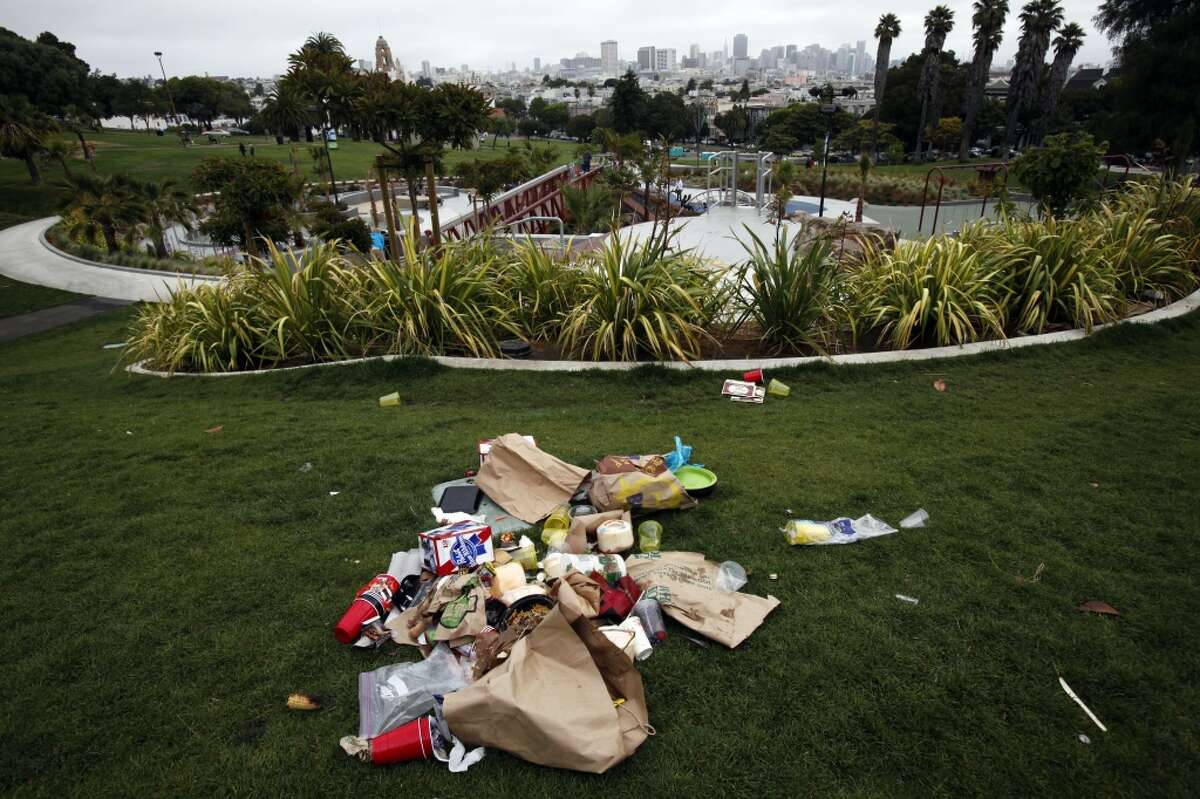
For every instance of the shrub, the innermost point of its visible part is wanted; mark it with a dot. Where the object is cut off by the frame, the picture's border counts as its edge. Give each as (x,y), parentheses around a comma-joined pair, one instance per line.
(1142,255)
(640,301)
(937,292)
(536,288)
(436,301)
(1061,173)
(1055,275)
(788,289)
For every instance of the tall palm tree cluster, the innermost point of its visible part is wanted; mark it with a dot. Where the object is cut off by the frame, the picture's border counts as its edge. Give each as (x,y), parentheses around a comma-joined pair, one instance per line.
(120,211)
(414,124)
(1034,87)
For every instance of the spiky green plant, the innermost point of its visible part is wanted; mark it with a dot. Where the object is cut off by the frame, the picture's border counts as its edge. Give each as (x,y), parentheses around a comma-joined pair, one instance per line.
(935,292)
(640,300)
(1143,256)
(436,301)
(790,289)
(1055,276)
(537,288)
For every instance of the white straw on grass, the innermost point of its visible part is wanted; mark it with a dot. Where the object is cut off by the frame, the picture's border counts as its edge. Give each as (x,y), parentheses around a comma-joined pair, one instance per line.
(1079,702)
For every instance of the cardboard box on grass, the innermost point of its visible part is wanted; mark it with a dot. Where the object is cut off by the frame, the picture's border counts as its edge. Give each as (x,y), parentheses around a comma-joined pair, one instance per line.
(462,545)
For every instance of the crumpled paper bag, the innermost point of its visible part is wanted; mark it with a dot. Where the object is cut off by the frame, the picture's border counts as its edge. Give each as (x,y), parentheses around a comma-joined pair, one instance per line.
(554,701)
(684,583)
(525,481)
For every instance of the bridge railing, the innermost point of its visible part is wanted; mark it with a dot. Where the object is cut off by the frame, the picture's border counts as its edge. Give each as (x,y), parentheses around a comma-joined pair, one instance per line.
(539,197)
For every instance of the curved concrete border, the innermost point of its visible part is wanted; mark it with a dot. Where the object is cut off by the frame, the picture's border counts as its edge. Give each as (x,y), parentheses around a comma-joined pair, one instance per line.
(26,255)
(1177,308)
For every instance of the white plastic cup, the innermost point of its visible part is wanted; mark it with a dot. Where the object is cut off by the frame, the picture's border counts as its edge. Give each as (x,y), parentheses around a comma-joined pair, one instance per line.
(730,576)
(915,519)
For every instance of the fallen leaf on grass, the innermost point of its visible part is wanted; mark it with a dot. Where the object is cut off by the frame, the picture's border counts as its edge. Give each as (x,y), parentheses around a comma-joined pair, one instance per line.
(1096,606)
(215,429)
(939,384)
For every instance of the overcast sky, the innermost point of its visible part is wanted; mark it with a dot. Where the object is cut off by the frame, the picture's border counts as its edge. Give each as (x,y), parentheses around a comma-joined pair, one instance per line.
(253,37)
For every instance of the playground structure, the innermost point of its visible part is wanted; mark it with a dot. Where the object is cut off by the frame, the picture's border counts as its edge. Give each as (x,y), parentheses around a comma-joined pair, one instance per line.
(722,169)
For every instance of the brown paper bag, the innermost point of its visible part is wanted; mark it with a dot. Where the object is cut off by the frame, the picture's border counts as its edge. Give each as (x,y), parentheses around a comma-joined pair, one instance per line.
(454,610)
(525,481)
(584,527)
(684,583)
(552,702)
(584,595)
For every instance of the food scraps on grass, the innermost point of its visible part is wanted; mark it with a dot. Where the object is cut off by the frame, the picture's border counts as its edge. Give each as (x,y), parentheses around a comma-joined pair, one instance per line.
(303,702)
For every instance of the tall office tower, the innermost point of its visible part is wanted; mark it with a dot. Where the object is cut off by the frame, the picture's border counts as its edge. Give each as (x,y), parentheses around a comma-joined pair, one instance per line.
(647,59)
(664,59)
(694,51)
(425,69)
(779,52)
(861,50)
(537,64)
(790,52)
(608,57)
(741,45)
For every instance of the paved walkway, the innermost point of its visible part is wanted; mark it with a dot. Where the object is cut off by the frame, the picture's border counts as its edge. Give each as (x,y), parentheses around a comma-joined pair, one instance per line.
(24,257)
(13,327)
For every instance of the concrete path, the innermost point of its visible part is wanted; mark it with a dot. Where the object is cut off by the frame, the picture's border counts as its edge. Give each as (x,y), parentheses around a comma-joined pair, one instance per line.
(25,257)
(13,327)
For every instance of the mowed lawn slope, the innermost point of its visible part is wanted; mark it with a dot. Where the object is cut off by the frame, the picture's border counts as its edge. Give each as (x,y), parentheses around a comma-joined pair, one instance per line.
(164,588)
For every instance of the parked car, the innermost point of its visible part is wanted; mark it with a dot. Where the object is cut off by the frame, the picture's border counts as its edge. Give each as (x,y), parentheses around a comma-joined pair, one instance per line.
(237,132)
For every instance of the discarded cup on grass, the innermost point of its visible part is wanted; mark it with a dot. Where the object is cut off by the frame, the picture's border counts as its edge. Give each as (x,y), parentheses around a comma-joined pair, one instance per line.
(777,389)
(526,555)
(915,519)
(650,536)
(650,614)
(389,400)
(730,576)
(753,376)
(412,741)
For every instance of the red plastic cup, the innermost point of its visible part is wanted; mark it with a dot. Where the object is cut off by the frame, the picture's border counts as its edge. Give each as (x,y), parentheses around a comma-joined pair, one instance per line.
(349,628)
(413,741)
(753,376)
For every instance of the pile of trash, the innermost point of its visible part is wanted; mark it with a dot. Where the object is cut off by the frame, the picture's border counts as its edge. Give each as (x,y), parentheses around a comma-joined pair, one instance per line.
(534,650)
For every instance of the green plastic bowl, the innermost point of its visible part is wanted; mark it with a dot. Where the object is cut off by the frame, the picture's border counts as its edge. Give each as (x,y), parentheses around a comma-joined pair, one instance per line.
(697,480)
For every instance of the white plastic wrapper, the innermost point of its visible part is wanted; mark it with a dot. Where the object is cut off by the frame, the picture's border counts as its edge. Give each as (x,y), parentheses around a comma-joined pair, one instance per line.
(841,530)
(393,695)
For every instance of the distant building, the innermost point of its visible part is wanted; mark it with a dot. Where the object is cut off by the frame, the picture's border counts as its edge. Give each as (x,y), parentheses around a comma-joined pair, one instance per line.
(647,60)
(664,59)
(1087,78)
(694,51)
(384,62)
(426,71)
(741,46)
(608,57)
(537,64)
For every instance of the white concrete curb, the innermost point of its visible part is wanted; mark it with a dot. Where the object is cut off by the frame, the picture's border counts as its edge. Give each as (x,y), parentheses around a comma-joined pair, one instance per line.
(1177,308)
(193,276)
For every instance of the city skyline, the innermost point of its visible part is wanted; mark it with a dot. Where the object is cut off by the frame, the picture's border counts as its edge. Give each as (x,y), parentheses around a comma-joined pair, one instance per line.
(487,41)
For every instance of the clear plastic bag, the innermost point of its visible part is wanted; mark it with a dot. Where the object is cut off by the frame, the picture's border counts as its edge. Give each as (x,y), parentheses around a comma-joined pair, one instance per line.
(394,695)
(730,576)
(841,530)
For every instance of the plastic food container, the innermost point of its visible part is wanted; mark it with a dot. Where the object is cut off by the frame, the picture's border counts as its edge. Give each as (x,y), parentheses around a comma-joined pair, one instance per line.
(614,536)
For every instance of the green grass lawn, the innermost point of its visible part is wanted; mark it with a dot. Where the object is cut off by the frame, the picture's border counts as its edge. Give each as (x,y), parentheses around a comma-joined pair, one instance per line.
(146,156)
(165,588)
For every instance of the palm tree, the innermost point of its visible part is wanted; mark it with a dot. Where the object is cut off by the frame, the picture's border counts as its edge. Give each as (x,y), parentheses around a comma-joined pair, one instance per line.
(453,115)
(77,119)
(163,203)
(287,109)
(988,21)
(887,30)
(938,24)
(23,131)
(107,206)
(62,151)
(1039,18)
(1066,45)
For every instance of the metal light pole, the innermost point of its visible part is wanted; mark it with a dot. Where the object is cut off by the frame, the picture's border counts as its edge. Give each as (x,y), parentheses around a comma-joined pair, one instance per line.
(167,85)
(828,110)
